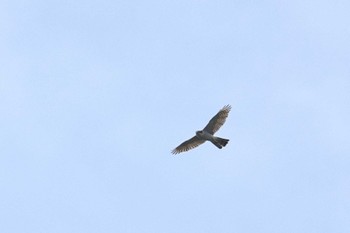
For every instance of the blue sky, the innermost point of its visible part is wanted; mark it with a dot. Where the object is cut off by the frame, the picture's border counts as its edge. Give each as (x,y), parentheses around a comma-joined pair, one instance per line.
(95,94)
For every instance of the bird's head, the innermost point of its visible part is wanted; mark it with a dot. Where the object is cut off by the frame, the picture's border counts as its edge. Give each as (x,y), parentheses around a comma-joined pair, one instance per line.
(199,132)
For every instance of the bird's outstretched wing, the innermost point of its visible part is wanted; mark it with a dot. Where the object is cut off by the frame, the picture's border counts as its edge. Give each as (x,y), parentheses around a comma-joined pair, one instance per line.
(218,120)
(188,145)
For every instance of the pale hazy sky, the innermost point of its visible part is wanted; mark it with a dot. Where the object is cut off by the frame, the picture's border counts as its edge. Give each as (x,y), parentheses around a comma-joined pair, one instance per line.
(95,94)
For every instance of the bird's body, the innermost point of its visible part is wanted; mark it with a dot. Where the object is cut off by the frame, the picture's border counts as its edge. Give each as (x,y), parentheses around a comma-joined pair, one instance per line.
(207,134)
(218,142)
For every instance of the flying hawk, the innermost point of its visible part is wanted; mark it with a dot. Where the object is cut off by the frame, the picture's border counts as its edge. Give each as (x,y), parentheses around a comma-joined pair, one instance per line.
(207,134)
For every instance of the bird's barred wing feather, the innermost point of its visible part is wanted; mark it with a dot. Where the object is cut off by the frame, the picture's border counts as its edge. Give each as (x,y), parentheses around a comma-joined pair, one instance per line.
(218,120)
(188,145)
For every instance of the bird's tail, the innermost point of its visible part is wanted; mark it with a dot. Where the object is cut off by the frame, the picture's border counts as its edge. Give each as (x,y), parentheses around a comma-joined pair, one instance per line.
(220,142)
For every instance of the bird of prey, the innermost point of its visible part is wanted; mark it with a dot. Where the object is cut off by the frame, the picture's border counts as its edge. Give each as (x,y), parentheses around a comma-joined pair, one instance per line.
(207,134)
